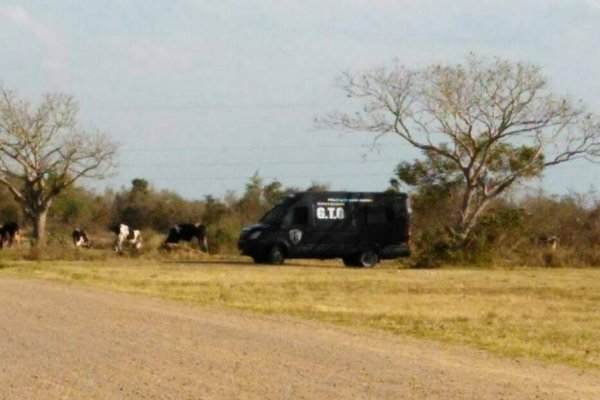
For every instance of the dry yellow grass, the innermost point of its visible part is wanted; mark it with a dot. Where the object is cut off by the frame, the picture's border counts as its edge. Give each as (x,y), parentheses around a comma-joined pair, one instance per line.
(550,314)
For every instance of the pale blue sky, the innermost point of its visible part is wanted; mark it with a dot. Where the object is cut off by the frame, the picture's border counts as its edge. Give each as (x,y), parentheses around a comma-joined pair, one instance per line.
(202,94)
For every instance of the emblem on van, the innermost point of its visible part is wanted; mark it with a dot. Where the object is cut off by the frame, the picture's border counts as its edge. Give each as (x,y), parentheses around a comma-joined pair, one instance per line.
(295,236)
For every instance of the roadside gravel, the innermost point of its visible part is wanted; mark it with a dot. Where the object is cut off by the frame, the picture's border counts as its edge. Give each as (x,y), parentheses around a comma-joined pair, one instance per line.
(62,341)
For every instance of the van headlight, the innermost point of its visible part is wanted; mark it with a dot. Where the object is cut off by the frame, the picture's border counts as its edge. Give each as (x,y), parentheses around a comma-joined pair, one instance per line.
(254,235)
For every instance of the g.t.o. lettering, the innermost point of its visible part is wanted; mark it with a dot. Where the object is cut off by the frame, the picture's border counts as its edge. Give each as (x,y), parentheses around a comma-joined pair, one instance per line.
(330,213)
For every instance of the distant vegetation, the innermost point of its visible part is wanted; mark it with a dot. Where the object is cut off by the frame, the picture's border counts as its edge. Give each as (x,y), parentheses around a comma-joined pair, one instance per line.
(154,211)
(482,128)
(512,232)
(534,229)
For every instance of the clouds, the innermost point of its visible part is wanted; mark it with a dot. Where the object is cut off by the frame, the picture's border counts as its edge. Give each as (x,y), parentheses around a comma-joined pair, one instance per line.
(594,3)
(147,57)
(233,73)
(55,50)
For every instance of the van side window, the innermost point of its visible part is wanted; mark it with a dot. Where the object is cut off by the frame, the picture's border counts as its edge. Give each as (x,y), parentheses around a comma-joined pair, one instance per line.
(300,215)
(375,215)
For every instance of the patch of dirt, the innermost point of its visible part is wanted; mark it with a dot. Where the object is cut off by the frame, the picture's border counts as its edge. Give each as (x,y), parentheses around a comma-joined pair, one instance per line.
(67,342)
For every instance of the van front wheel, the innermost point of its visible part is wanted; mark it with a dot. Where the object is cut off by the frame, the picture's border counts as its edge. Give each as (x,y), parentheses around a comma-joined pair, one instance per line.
(367,258)
(275,255)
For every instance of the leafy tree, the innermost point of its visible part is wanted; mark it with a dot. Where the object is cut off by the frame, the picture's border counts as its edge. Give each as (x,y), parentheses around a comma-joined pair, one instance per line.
(435,197)
(258,198)
(73,206)
(139,186)
(214,210)
(483,125)
(251,202)
(43,150)
(144,207)
(316,186)
(273,192)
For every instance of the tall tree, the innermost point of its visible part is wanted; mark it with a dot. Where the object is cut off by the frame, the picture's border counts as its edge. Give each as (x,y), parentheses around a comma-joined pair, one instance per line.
(484,124)
(43,150)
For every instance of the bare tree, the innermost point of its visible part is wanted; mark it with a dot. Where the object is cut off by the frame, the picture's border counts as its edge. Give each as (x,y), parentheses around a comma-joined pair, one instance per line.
(43,150)
(491,122)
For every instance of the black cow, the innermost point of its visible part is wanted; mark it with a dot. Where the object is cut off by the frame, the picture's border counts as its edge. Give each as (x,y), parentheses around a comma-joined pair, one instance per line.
(126,233)
(80,238)
(10,233)
(188,232)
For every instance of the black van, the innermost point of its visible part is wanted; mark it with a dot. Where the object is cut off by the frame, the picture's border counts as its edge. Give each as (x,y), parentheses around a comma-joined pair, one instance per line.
(359,227)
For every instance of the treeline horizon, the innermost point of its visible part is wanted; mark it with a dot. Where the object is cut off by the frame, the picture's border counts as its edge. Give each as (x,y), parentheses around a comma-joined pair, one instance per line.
(150,209)
(514,231)
(482,127)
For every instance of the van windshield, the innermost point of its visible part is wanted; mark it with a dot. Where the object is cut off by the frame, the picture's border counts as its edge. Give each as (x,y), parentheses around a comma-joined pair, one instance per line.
(276,213)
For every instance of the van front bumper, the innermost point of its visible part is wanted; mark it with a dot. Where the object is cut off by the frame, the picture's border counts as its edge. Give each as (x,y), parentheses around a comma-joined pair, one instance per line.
(250,248)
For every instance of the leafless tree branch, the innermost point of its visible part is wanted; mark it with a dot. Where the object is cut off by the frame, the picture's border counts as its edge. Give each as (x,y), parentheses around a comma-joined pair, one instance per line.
(497,121)
(43,151)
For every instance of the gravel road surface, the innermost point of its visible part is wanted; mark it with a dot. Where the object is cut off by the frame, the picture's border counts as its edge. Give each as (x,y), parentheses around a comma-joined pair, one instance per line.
(62,341)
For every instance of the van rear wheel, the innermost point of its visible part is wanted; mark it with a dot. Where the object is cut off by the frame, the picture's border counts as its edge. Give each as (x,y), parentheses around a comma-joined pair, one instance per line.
(367,258)
(275,255)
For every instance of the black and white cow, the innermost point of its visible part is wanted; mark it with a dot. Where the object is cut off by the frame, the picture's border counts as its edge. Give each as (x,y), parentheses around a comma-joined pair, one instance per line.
(10,233)
(80,238)
(129,234)
(188,232)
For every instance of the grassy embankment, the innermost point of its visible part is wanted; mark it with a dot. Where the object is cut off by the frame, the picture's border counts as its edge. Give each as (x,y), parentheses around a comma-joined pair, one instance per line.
(549,314)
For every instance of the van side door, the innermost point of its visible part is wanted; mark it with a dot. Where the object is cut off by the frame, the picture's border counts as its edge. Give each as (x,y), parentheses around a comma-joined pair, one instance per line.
(332,228)
(296,230)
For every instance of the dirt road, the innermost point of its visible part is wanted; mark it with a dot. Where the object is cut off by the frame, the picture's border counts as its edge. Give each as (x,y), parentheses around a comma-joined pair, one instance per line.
(66,342)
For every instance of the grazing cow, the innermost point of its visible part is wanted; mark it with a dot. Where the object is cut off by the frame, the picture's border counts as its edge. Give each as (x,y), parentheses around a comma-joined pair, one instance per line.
(126,233)
(10,233)
(188,232)
(550,241)
(80,238)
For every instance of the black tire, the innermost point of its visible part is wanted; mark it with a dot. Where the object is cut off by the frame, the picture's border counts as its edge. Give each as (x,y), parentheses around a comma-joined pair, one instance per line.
(367,258)
(275,255)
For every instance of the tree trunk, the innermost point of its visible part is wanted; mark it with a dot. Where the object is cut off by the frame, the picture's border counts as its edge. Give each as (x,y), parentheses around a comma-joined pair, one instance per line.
(470,217)
(38,221)
(464,223)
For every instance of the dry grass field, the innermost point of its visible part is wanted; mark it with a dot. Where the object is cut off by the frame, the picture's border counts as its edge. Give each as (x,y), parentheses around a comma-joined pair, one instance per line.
(546,314)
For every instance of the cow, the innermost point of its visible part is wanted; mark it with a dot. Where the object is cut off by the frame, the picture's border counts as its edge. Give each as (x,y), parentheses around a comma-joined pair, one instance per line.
(129,234)
(187,232)
(550,241)
(10,233)
(80,238)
